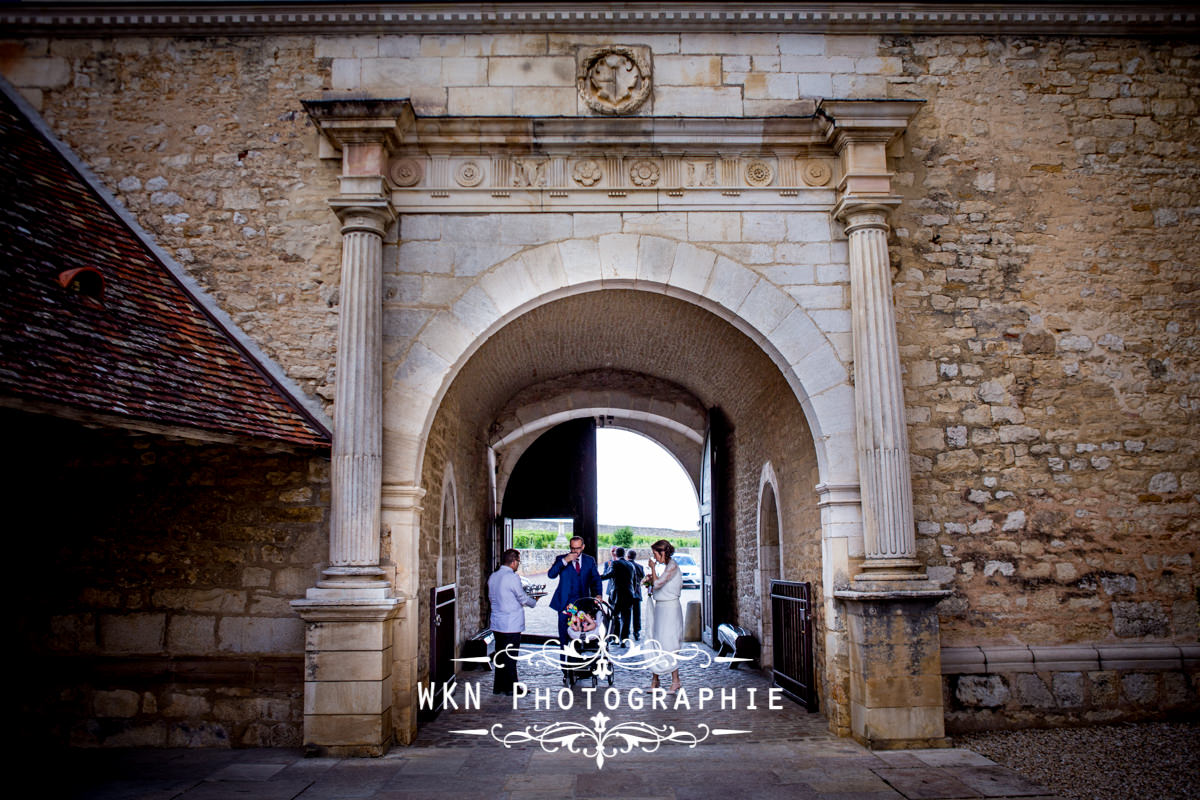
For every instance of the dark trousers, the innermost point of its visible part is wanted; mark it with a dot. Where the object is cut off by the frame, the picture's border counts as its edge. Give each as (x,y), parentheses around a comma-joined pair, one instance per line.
(621,619)
(636,615)
(506,667)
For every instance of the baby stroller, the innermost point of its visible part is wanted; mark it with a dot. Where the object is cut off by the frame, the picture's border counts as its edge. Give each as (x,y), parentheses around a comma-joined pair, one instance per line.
(589,621)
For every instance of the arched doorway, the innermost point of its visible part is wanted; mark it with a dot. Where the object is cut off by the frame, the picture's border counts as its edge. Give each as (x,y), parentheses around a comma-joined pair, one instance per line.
(658,364)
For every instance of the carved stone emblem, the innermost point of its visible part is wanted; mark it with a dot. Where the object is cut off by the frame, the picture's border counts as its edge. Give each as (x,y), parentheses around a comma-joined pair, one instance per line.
(759,173)
(816,173)
(586,172)
(528,172)
(405,172)
(644,173)
(469,174)
(614,80)
(700,173)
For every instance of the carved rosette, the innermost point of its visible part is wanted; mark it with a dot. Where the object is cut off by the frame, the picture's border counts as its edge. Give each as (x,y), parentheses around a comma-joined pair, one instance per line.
(587,172)
(469,174)
(613,80)
(644,173)
(405,172)
(759,173)
(816,173)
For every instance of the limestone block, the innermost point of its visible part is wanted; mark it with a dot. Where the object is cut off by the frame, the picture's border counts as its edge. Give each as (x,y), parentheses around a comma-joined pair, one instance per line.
(545,71)
(1029,689)
(346,730)
(904,725)
(763,227)
(40,73)
(581,260)
(772,86)
(132,633)
(349,636)
(422,370)
(442,46)
(446,337)
(545,101)
(480,101)
(1068,689)
(897,692)
(475,311)
(392,46)
(397,74)
(189,634)
(472,259)
(505,44)
(245,709)
(465,71)
(191,704)
(197,734)
(981,691)
(588,225)
(150,734)
(420,226)
(426,257)
(742,44)
(687,70)
(528,229)
(689,101)
(802,44)
(820,370)
(618,253)
(814,84)
(789,274)
(714,226)
(347,697)
(808,227)
(671,224)
(353,665)
(730,283)
(832,320)
(1140,689)
(765,307)
(116,703)
(656,256)
(345,47)
(1139,619)
(260,635)
(693,267)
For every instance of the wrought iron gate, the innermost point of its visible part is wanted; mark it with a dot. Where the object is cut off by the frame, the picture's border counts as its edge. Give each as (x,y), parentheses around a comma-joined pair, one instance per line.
(441,642)
(792,641)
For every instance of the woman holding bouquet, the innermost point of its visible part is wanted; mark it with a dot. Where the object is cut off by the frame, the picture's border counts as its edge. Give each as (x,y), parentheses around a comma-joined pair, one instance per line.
(666,582)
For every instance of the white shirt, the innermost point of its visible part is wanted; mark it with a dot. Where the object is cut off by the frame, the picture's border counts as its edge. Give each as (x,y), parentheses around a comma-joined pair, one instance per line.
(508,599)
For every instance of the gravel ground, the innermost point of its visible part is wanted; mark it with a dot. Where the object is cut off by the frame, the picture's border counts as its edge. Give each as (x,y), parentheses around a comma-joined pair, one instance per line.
(1154,761)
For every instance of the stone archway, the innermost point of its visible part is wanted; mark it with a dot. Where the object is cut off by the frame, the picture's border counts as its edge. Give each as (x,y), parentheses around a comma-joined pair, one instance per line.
(770,555)
(383,427)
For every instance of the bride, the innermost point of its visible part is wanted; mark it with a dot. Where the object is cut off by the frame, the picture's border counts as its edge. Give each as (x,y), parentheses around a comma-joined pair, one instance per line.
(668,615)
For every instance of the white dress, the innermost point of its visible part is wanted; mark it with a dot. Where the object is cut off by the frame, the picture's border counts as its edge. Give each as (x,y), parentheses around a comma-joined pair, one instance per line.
(668,617)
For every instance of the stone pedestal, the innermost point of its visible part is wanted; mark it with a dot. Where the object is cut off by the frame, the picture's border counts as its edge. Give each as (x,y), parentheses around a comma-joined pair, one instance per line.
(895,669)
(348,676)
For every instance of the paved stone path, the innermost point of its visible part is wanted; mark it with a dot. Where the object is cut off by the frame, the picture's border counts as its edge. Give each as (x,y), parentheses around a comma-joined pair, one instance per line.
(785,753)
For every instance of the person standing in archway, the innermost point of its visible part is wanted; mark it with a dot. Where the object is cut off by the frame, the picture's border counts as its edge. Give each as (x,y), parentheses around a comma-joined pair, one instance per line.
(668,614)
(577,577)
(639,575)
(507,621)
(622,577)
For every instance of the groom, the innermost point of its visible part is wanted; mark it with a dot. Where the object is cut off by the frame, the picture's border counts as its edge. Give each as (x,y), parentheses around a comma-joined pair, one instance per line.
(577,577)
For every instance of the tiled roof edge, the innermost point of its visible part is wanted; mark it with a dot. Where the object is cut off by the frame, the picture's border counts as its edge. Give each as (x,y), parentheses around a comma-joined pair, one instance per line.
(304,404)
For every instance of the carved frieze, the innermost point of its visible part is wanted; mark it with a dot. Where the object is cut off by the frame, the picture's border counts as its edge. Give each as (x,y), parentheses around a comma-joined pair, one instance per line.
(615,79)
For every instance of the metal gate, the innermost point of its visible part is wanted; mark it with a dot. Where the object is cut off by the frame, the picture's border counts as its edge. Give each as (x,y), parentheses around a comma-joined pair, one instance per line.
(441,642)
(792,641)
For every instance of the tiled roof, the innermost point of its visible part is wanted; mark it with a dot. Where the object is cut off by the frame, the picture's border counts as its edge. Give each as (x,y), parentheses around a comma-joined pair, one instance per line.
(149,351)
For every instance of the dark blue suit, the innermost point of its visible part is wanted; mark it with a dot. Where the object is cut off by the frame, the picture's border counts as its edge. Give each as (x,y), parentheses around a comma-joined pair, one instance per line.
(571,586)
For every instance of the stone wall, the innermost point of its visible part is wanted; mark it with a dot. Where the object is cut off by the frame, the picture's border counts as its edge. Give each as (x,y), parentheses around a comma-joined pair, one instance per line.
(159,616)
(1044,256)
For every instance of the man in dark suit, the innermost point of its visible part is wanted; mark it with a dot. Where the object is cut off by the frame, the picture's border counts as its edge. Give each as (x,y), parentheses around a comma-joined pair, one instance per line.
(622,576)
(639,574)
(577,577)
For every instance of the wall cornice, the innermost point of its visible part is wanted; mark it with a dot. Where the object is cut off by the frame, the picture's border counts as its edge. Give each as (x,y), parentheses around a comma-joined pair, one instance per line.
(1176,20)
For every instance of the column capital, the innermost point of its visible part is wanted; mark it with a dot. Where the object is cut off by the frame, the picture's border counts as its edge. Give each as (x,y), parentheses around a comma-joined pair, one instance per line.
(368,215)
(857,212)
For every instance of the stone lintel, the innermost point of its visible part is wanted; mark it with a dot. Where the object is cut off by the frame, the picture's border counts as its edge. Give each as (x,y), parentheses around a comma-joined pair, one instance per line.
(1082,657)
(920,590)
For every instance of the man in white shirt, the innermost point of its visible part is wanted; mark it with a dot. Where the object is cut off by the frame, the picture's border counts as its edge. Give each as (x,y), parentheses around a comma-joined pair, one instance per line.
(509,601)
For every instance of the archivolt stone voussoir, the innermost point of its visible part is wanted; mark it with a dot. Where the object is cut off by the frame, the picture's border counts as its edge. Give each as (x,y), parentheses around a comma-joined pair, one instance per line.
(737,294)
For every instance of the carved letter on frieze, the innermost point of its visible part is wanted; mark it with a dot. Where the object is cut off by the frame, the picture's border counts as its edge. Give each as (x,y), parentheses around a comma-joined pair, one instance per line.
(613,80)
(528,172)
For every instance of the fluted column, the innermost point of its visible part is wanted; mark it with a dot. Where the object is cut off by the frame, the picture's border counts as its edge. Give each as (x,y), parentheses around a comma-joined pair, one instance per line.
(358,410)
(886,484)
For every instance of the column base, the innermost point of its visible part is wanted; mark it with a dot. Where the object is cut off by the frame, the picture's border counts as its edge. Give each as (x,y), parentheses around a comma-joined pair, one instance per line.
(348,671)
(895,666)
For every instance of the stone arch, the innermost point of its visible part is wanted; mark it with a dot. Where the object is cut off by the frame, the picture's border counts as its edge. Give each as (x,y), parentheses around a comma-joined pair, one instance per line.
(765,313)
(769,538)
